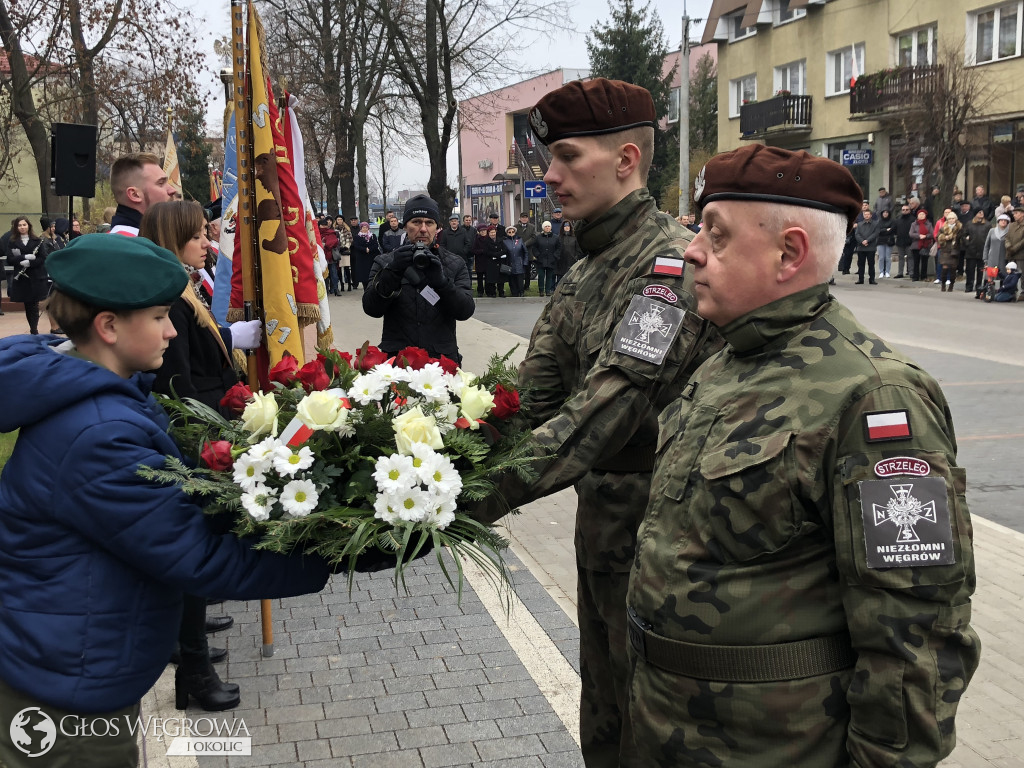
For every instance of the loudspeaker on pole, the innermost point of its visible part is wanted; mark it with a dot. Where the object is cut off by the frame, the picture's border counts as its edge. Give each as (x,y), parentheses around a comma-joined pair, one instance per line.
(73,159)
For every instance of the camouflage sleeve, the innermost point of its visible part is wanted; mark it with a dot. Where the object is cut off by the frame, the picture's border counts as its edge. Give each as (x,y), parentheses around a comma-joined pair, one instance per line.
(548,368)
(904,553)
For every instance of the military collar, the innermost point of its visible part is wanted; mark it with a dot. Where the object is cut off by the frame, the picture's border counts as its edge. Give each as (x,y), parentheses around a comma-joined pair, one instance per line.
(779,319)
(617,223)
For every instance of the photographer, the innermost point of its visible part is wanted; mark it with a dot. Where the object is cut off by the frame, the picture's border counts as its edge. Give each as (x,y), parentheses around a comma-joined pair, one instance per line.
(420,289)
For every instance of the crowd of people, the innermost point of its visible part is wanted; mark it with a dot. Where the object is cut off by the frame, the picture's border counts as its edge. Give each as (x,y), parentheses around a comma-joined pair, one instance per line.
(974,240)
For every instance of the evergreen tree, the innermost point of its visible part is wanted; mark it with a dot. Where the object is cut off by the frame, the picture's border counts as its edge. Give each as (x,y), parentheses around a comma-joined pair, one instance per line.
(193,153)
(632,46)
(704,106)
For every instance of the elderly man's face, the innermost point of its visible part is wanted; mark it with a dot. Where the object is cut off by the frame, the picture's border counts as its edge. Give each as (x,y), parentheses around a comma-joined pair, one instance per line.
(734,261)
(421,230)
(979,190)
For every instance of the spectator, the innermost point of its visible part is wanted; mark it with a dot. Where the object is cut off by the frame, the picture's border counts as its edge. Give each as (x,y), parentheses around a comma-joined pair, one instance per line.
(1014,240)
(865,235)
(494,256)
(948,239)
(983,202)
(494,220)
(935,240)
(420,289)
(973,251)
(344,253)
(76,229)
(904,220)
(518,261)
(994,253)
(389,219)
(883,202)
(479,246)
(568,251)
(556,220)
(392,236)
(330,241)
(459,240)
(365,250)
(1005,206)
(921,239)
(886,238)
(1008,288)
(353,225)
(29,282)
(528,234)
(965,212)
(546,249)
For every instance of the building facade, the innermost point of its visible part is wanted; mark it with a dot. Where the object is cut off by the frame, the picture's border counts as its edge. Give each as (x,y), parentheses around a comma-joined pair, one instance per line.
(839,78)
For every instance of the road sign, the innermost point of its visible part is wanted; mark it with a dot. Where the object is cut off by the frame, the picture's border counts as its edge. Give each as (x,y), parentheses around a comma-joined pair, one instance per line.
(857,156)
(536,190)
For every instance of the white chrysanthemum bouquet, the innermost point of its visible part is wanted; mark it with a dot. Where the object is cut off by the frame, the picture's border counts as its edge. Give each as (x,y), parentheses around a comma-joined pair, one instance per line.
(359,456)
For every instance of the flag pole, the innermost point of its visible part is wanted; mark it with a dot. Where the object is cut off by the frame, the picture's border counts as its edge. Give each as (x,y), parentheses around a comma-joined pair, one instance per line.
(241,94)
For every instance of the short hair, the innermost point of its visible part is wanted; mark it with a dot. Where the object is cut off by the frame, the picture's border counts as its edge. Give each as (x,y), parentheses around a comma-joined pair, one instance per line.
(643,137)
(1004,199)
(75,316)
(126,169)
(826,231)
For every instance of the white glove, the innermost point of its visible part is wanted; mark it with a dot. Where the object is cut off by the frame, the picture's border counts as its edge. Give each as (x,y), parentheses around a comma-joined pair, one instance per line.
(246,334)
(30,256)
(24,263)
(15,251)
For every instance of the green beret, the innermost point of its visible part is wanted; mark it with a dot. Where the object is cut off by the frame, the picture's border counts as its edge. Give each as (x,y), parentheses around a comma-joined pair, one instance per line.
(117,272)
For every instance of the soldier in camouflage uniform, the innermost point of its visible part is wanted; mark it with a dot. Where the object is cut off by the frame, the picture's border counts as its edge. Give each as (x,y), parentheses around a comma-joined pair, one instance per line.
(801,591)
(614,345)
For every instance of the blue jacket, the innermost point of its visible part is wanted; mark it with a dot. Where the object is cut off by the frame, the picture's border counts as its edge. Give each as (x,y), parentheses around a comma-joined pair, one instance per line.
(94,559)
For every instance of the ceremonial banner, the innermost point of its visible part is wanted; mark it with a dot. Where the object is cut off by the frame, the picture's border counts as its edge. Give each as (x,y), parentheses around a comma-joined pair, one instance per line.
(229,225)
(171,163)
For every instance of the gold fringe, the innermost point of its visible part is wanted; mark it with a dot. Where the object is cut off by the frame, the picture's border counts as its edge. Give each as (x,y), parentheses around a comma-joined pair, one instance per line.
(326,339)
(308,313)
(235,314)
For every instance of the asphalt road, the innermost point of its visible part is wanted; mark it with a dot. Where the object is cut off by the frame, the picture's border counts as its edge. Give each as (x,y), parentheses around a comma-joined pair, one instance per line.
(967,345)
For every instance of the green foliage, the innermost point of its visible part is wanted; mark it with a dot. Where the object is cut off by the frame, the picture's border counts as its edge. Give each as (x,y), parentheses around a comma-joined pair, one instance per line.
(193,153)
(7,440)
(704,107)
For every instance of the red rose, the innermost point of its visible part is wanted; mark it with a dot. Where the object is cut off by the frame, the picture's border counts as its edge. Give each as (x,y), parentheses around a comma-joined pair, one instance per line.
(448,365)
(313,376)
(346,357)
(328,363)
(368,356)
(286,371)
(414,357)
(217,455)
(506,402)
(236,398)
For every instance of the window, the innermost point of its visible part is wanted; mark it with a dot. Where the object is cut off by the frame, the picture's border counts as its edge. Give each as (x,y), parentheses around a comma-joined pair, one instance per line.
(784,13)
(792,77)
(742,91)
(841,68)
(916,48)
(736,30)
(995,33)
(673,105)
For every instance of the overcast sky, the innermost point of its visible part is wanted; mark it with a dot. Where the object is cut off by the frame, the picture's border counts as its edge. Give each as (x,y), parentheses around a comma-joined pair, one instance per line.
(544,51)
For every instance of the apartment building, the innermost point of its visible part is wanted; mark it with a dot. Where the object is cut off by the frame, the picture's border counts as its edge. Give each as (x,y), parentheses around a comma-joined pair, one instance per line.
(839,79)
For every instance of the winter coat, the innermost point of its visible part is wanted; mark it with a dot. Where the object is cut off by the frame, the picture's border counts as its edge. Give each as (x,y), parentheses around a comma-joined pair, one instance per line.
(527,233)
(995,251)
(94,558)
(568,254)
(949,244)
(391,239)
(974,239)
(918,228)
(31,283)
(410,319)
(1008,288)
(518,256)
(546,248)
(344,251)
(363,253)
(492,255)
(866,231)
(886,231)
(458,241)
(903,224)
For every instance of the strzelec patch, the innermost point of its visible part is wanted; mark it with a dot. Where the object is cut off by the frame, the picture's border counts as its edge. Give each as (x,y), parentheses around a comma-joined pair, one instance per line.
(648,329)
(906,523)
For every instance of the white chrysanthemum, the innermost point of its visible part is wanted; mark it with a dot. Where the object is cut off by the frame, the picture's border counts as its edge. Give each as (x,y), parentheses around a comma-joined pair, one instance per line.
(250,471)
(411,504)
(423,457)
(264,449)
(446,415)
(258,502)
(386,508)
(299,498)
(393,473)
(389,374)
(368,388)
(429,382)
(441,477)
(287,462)
(440,511)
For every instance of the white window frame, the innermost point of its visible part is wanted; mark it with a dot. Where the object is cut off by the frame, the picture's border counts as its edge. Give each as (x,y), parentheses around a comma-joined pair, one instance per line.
(777,11)
(931,30)
(673,105)
(737,94)
(801,69)
(733,20)
(839,58)
(972,32)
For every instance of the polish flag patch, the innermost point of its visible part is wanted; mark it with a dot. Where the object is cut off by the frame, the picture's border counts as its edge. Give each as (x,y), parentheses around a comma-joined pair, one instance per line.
(664,265)
(296,433)
(887,425)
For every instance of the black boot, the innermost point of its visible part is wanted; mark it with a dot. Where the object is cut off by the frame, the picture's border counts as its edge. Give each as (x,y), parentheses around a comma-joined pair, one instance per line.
(217,655)
(218,623)
(203,685)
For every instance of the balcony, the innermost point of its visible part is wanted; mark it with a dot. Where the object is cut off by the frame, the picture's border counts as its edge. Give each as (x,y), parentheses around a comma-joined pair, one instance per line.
(892,91)
(783,114)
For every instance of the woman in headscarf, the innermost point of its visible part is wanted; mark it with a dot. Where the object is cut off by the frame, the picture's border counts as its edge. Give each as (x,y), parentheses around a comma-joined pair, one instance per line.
(365,249)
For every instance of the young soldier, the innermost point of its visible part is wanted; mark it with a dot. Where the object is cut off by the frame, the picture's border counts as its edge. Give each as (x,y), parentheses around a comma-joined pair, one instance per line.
(615,344)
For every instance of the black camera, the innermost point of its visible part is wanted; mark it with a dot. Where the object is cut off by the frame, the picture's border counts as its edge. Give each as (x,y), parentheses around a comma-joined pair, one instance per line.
(422,256)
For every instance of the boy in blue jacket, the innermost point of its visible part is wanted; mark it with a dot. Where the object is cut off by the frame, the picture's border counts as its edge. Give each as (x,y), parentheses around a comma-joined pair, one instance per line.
(93,558)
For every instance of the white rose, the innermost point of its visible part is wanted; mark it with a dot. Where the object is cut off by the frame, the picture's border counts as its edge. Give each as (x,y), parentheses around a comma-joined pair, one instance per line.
(413,427)
(476,402)
(322,410)
(260,415)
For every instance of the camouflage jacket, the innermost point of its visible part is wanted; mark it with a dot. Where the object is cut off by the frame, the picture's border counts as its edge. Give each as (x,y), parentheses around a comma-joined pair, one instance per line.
(614,345)
(805,486)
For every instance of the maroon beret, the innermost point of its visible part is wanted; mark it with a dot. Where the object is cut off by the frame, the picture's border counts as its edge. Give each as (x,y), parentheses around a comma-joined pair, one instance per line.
(756,172)
(591,108)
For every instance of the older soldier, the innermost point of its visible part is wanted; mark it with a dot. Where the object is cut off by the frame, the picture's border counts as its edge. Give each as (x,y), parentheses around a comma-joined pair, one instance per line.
(801,591)
(614,345)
